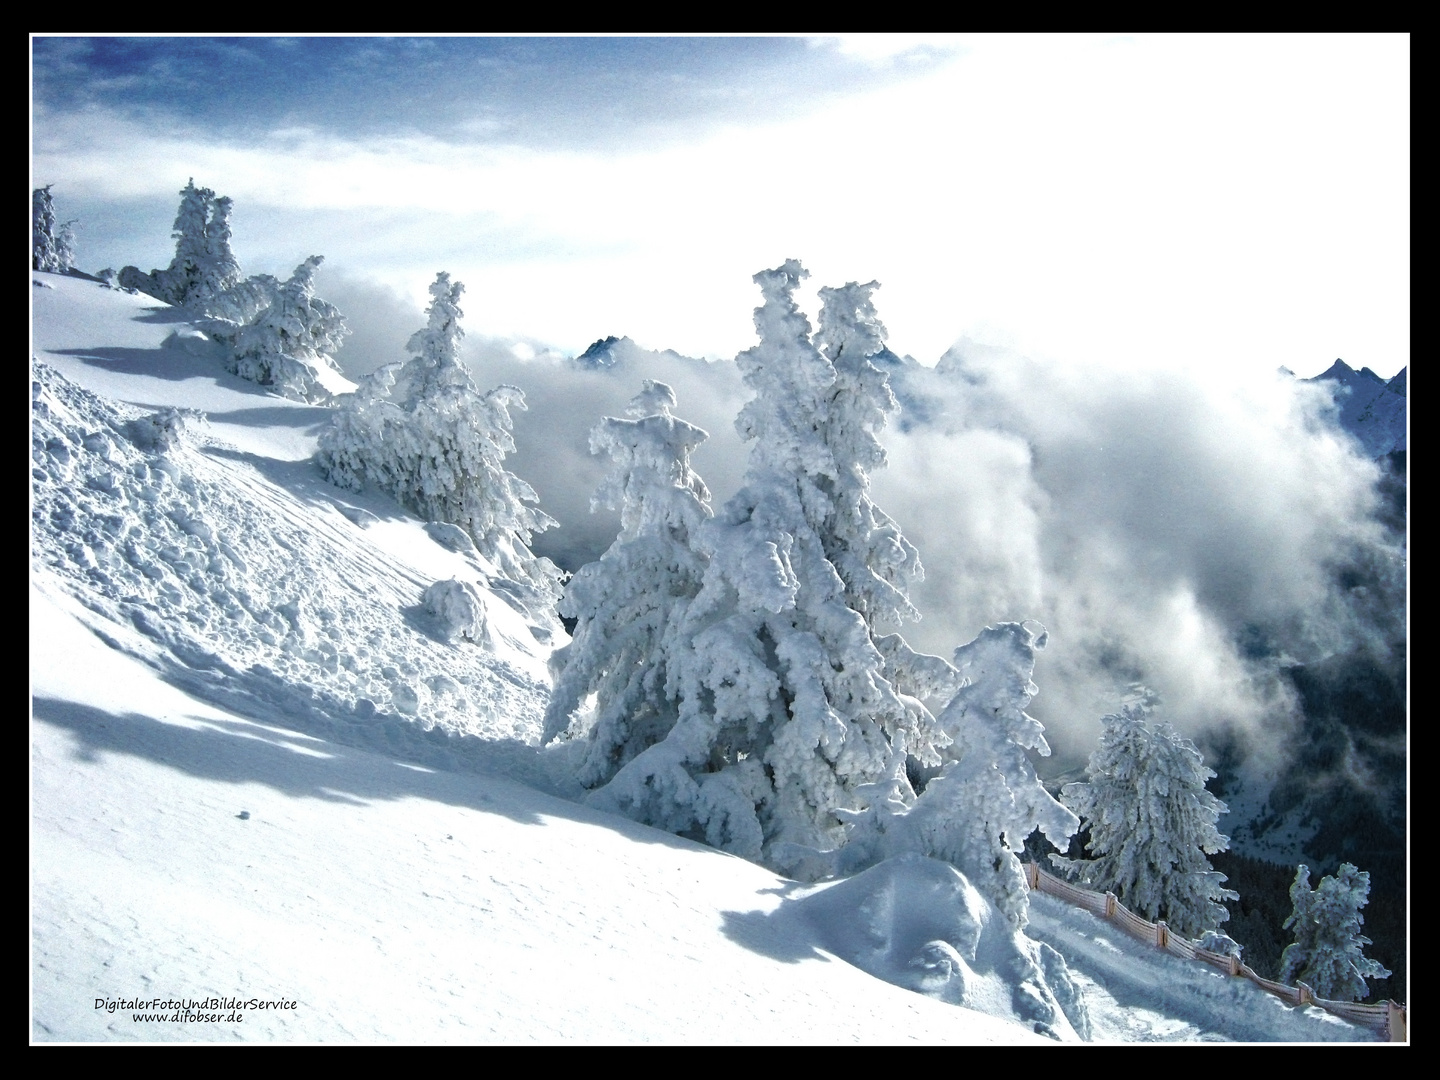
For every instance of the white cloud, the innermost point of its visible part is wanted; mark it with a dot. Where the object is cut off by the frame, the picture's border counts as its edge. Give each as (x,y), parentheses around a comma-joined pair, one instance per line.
(885,49)
(1150,203)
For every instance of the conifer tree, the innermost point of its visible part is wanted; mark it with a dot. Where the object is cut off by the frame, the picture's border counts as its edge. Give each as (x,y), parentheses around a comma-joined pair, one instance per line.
(435,443)
(784,708)
(52,242)
(979,810)
(629,603)
(203,268)
(291,338)
(1328,952)
(1151,825)
(216,268)
(876,563)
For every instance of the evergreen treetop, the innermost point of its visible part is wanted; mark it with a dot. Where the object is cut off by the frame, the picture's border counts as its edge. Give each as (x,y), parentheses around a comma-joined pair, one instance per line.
(1151,824)
(1328,952)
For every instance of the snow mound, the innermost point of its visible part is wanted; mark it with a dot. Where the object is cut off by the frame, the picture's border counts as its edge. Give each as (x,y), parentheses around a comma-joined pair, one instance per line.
(918,923)
(460,609)
(451,537)
(255,598)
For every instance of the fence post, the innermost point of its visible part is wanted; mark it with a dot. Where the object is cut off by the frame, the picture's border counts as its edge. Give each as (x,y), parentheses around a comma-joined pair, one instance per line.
(1110,905)
(1162,934)
(1306,994)
(1032,871)
(1395,1022)
(1234,964)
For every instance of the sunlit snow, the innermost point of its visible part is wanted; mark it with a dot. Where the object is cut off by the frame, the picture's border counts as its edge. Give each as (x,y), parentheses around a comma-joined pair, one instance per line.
(264,768)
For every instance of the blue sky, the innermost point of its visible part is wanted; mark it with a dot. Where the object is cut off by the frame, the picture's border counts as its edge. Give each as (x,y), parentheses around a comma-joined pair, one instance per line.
(1135,202)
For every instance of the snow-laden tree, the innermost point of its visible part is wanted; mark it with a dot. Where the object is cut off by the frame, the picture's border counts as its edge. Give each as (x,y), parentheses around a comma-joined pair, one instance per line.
(629,603)
(52,241)
(291,339)
(1151,825)
(876,563)
(1328,951)
(204,268)
(426,435)
(979,810)
(217,269)
(784,707)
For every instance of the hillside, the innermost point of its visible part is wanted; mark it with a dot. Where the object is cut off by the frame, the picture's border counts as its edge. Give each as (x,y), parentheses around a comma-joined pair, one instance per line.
(261,768)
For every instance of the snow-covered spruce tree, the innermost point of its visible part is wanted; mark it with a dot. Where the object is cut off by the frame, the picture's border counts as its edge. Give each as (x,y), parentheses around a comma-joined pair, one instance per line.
(979,810)
(436,444)
(629,603)
(876,563)
(1328,952)
(987,799)
(53,242)
(784,705)
(1151,825)
(203,268)
(291,338)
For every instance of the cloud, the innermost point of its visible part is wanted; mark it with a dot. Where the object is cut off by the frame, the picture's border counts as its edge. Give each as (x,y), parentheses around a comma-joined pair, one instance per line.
(565,401)
(1182,531)
(1179,530)
(1158,202)
(381,320)
(883,50)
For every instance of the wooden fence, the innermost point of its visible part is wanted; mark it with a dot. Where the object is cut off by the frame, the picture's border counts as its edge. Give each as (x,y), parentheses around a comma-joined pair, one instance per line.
(1387,1019)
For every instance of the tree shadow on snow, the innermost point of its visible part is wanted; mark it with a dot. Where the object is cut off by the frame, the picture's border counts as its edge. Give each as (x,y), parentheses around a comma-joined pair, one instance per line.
(165,314)
(240,751)
(315,750)
(784,934)
(309,419)
(306,483)
(173,365)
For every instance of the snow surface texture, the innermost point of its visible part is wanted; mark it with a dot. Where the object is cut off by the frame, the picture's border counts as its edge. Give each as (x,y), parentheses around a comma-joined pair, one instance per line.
(260,582)
(215,812)
(182,850)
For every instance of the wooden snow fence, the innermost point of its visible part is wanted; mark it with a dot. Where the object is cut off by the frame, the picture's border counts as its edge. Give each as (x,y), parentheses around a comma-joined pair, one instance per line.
(1387,1019)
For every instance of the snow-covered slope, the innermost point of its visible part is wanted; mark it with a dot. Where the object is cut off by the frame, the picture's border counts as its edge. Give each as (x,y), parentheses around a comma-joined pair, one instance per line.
(213,534)
(184,851)
(261,770)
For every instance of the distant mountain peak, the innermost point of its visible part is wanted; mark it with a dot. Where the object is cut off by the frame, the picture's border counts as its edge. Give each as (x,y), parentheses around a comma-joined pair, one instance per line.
(604,352)
(1369,409)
